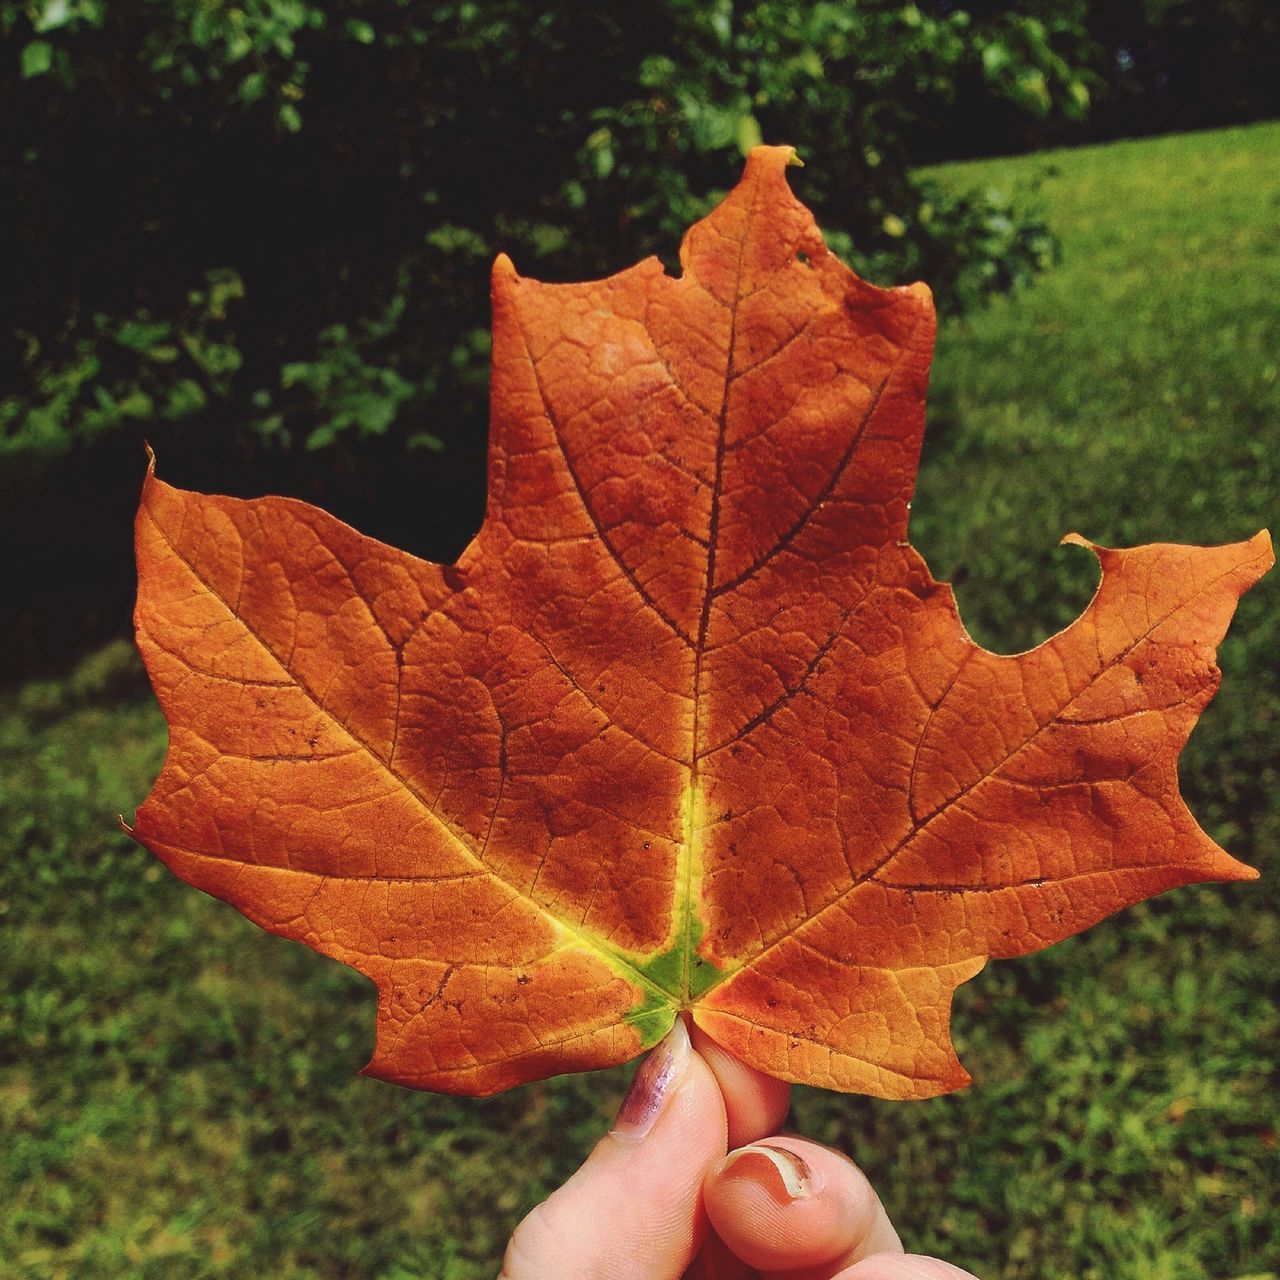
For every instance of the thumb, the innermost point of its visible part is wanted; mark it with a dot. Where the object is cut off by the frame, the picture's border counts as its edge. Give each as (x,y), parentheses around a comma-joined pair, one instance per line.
(633,1211)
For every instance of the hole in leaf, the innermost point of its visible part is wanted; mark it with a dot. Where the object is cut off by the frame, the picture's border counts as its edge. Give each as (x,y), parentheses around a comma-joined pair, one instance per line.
(1012,603)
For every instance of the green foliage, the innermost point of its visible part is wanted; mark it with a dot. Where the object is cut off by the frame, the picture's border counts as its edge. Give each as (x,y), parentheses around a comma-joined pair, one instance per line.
(136,369)
(851,84)
(344,174)
(176,1086)
(1137,67)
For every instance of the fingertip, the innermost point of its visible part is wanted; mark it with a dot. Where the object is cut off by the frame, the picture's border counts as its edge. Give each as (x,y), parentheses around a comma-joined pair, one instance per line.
(756,1105)
(787,1204)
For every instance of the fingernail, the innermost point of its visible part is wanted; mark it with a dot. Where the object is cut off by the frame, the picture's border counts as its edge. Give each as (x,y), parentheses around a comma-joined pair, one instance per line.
(653,1084)
(795,1178)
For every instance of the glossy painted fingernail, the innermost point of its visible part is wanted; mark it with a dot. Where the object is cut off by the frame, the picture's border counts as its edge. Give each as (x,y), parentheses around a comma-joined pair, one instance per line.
(654,1083)
(795,1178)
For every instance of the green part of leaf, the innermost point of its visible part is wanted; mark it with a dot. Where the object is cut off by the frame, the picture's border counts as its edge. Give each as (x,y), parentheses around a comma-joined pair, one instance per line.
(652,1019)
(667,970)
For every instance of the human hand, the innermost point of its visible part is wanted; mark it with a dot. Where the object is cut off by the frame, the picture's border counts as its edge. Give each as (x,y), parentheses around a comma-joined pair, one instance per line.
(694,1145)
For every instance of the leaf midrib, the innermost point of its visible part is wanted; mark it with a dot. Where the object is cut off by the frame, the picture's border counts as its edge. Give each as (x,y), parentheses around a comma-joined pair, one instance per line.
(693,816)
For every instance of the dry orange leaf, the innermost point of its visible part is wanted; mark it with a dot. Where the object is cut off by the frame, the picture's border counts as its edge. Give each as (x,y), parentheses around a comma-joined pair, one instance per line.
(689,726)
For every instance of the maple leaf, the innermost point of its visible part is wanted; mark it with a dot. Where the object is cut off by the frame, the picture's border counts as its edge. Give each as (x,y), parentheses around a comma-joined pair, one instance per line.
(689,726)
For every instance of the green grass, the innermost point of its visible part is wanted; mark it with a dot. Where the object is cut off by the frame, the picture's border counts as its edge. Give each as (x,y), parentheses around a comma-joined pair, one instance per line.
(177,1090)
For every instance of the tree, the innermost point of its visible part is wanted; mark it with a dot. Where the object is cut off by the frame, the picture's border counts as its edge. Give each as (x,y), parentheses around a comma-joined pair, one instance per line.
(264,230)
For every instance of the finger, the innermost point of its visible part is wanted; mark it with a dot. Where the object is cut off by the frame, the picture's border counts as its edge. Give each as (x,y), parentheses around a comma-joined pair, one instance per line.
(796,1209)
(903,1266)
(632,1212)
(755,1104)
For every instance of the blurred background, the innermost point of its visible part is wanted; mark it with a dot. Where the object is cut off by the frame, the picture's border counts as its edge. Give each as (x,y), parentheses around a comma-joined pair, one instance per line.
(258,236)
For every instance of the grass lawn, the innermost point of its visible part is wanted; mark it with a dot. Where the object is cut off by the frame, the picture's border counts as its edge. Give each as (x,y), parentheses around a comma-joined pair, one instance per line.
(177,1089)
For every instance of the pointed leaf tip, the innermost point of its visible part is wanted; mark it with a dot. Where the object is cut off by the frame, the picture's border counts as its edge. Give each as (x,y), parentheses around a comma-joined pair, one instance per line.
(1261,542)
(774,159)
